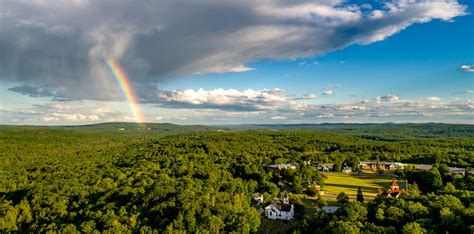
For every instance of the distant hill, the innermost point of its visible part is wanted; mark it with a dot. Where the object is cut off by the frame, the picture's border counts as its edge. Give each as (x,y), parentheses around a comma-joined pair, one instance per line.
(371,131)
(121,127)
(374,131)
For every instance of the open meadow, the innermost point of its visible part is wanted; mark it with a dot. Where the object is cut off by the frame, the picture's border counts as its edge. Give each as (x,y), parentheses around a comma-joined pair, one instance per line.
(342,182)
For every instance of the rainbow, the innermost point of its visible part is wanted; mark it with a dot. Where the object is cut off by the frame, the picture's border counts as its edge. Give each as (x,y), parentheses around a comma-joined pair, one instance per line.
(122,80)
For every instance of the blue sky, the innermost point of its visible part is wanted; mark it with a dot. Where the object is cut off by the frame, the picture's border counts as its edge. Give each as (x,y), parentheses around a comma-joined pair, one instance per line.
(422,60)
(411,74)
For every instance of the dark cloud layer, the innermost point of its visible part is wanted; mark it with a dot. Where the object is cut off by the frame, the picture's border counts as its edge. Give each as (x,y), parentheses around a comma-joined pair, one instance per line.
(61,45)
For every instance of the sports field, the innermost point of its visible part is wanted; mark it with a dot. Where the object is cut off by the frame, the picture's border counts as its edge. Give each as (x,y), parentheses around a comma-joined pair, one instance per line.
(341,182)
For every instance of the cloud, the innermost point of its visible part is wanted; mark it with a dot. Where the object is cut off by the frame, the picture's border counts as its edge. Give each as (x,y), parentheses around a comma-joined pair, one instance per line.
(468,68)
(246,106)
(329,89)
(228,99)
(328,93)
(72,112)
(307,96)
(433,98)
(62,44)
(387,98)
(33,91)
(278,117)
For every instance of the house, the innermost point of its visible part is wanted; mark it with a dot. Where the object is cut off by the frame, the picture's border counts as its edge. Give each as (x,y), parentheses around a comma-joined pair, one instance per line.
(316,186)
(347,170)
(373,166)
(279,167)
(457,171)
(452,170)
(327,167)
(394,166)
(280,209)
(393,191)
(364,165)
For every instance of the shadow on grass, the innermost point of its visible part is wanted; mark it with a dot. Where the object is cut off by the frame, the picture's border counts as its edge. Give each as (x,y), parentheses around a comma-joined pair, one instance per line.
(355,187)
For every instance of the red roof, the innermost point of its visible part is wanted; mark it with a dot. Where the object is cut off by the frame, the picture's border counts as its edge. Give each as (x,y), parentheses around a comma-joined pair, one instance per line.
(392,193)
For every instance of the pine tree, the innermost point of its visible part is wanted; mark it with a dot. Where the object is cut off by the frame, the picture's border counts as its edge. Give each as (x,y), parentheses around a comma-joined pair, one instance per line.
(360,196)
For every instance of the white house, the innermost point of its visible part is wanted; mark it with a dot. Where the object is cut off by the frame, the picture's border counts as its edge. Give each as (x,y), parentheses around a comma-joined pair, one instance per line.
(279,167)
(279,210)
(326,167)
(347,170)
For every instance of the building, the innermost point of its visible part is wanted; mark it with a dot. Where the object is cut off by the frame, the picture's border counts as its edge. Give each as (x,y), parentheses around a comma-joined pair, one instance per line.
(374,166)
(326,167)
(279,167)
(452,170)
(393,191)
(457,171)
(280,209)
(316,186)
(347,170)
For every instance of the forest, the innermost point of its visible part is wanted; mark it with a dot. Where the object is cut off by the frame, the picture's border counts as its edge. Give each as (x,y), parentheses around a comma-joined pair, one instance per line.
(123,177)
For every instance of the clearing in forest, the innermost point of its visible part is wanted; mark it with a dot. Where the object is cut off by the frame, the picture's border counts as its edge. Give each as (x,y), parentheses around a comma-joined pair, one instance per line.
(342,182)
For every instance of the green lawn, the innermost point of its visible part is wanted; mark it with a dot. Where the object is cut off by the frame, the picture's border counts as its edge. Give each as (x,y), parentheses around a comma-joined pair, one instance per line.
(341,182)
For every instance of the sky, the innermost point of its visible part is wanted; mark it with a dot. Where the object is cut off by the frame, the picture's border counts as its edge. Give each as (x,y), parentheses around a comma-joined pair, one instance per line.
(70,62)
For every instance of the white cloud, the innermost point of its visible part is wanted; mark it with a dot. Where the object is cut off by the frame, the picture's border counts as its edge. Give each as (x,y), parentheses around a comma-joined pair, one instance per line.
(328,93)
(229,99)
(307,96)
(469,68)
(244,106)
(326,116)
(433,98)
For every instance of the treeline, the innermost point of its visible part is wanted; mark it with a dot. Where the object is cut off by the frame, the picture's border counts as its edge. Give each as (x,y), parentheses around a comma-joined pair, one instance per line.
(66,180)
(410,213)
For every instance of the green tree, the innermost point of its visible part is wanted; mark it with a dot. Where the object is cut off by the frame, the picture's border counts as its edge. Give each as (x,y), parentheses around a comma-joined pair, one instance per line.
(321,201)
(379,214)
(356,212)
(345,227)
(413,228)
(449,188)
(394,215)
(342,198)
(360,196)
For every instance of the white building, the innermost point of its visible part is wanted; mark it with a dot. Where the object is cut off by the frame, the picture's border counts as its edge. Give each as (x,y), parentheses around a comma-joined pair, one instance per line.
(347,170)
(280,211)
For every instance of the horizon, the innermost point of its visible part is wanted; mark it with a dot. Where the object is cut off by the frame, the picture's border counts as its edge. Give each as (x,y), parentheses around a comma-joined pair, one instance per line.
(232,63)
(241,124)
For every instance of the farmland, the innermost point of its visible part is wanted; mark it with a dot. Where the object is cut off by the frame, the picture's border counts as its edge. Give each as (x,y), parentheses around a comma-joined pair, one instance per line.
(342,182)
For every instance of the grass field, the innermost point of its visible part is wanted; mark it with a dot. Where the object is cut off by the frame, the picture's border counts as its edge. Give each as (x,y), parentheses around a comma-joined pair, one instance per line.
(341,182)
